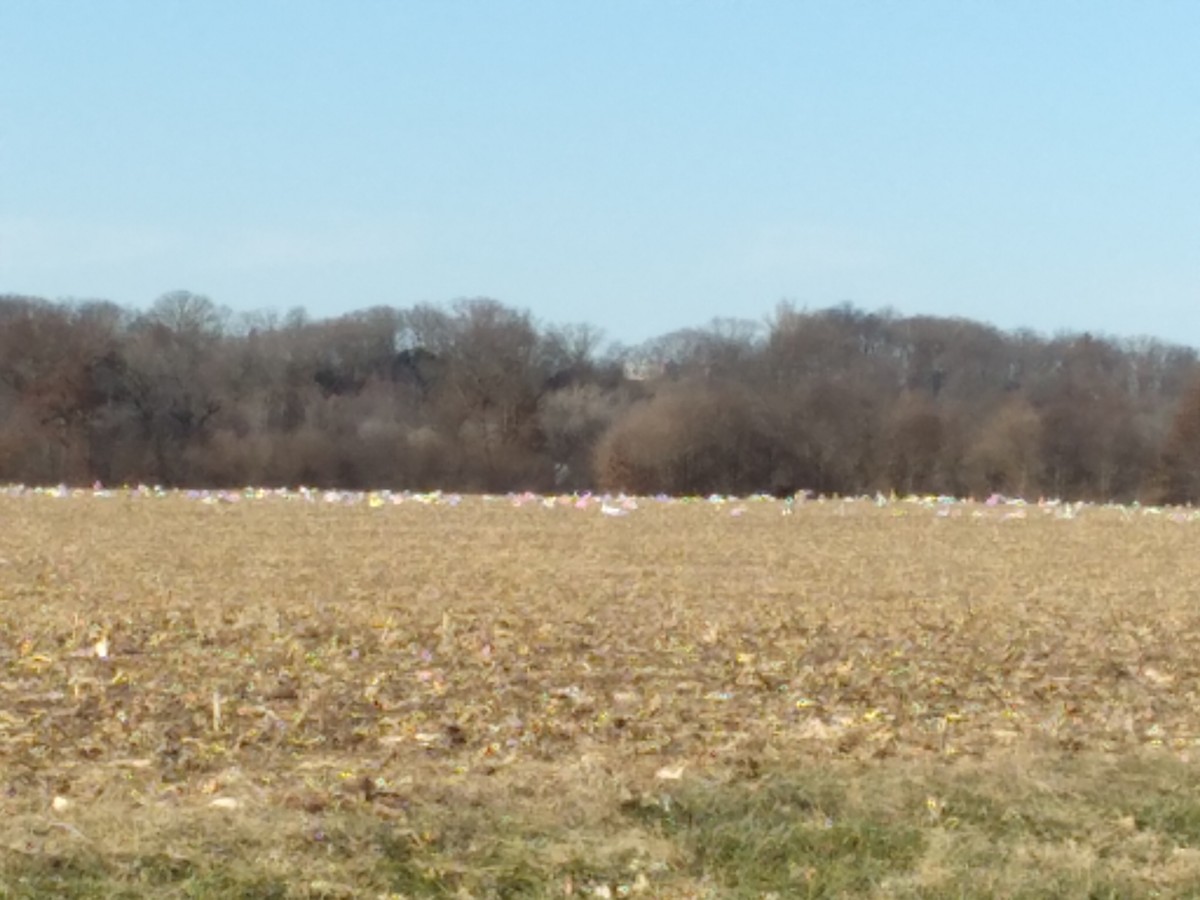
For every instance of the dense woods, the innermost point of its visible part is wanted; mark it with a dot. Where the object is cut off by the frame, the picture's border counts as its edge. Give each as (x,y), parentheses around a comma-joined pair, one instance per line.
(478,396)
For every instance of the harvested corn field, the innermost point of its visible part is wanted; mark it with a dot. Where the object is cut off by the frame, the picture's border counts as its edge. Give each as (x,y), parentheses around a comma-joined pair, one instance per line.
(302,695)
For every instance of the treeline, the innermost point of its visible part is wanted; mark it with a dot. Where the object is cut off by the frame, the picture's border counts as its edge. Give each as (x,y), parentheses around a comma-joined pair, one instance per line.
(478,396)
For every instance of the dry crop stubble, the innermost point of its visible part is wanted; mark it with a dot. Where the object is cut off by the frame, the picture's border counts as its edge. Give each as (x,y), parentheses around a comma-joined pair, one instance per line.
(483,695)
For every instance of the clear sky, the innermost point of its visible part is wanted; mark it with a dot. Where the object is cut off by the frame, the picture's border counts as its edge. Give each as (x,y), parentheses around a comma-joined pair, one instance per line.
(642,165)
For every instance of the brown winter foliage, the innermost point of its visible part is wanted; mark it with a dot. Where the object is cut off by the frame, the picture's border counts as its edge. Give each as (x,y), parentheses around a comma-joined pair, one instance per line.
(477,396)
(278,698)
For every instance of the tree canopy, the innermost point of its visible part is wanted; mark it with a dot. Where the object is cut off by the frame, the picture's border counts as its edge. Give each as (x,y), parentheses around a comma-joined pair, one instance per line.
(476,395)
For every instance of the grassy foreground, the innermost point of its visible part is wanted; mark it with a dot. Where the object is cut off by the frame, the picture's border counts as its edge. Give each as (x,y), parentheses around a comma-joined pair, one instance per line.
(282,699)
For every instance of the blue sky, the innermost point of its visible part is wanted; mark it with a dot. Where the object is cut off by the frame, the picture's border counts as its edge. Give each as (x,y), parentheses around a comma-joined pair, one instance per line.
(642,165)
